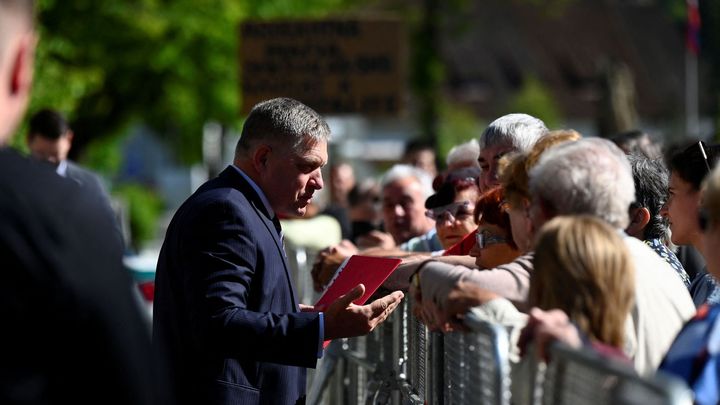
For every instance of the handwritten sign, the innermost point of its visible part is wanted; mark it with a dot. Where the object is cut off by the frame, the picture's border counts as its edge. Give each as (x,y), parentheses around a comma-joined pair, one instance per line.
(334,66)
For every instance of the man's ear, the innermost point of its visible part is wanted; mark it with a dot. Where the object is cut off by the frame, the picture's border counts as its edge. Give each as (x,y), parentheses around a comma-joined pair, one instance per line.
(70,135)
(260,158)
(21,66)
(639,218)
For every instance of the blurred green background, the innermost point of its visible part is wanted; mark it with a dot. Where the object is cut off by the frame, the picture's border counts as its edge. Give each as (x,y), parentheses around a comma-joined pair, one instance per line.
(172,66)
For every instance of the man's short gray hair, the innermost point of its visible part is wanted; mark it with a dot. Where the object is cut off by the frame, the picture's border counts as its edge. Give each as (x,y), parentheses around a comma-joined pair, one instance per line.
(591,176)
(401,171)
(520,131)
(467,152)
(284,121)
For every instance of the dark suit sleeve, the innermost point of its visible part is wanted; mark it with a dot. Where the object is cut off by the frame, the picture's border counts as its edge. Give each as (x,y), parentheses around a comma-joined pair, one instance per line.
(237,284)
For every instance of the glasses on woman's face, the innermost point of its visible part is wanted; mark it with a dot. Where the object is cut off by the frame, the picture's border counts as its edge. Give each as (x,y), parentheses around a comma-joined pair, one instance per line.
(451,212)
(485,238)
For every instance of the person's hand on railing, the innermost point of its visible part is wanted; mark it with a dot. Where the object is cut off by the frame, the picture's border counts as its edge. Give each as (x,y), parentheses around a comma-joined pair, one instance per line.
(461,299)
(546,327)
(449,316)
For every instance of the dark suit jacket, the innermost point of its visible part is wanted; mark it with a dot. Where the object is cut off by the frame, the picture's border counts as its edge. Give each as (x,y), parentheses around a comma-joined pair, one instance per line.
(225,307)
(85,178)
(71,330)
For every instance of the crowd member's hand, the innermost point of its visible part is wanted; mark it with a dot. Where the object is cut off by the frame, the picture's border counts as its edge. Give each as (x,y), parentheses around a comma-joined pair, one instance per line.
(328,261)
(461,299)
(345,319)
(376,239)
(546,327)
(450,316)
(425,310)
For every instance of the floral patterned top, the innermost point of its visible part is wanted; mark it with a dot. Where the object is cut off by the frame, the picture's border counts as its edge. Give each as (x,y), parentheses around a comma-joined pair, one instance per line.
(670,258)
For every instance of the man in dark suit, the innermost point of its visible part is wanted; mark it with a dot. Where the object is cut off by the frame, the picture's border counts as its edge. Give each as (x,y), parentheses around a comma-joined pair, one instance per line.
(71,332)
(50,139)
(225,306)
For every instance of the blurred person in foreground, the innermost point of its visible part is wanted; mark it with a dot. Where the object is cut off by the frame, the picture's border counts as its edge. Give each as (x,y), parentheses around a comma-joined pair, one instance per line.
(72,332)
(689,164)
(225,304)
(694,355)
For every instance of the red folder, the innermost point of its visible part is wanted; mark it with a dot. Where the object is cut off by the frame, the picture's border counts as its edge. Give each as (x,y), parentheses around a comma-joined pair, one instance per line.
(463,247)
(367,270)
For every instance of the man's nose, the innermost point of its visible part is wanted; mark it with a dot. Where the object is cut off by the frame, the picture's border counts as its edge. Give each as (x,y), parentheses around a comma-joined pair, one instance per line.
(317,180)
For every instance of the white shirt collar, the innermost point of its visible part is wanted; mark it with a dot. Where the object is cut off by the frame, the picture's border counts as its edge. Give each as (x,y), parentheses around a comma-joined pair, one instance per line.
(62,168)
(259,192)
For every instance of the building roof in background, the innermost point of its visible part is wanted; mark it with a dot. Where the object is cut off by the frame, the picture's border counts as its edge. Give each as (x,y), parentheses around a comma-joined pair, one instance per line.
(493,48)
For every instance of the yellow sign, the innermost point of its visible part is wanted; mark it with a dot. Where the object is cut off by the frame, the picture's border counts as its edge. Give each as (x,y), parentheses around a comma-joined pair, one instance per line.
(334,66)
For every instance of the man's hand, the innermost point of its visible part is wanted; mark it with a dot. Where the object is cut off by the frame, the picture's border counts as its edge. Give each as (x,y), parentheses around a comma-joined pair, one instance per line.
(545,327)
(376,239)
(345,319)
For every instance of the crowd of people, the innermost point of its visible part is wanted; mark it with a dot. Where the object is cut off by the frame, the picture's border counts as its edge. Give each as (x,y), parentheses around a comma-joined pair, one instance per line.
(573,239)
(556,236)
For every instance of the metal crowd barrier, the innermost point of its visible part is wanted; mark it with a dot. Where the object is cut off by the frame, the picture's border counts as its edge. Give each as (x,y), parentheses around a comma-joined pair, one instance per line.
(477,368)
(401,362)
(584,377)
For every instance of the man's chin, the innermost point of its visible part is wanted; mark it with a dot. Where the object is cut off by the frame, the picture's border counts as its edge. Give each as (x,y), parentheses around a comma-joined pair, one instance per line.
(299,211)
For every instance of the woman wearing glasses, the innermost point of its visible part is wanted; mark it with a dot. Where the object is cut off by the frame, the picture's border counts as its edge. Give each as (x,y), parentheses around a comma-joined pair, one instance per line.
(493,240)
(688,167)
(453,205)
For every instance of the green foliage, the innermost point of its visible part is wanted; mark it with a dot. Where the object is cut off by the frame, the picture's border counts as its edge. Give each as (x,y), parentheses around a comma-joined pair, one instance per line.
(457,125)
(144,208)
(170,64)
(535,99)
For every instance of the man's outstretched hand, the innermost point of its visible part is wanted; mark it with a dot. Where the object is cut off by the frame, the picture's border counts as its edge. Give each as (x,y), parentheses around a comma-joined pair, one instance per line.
(345,319)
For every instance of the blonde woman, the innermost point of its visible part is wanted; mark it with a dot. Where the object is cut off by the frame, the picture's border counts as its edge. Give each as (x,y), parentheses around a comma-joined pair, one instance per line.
(583,285)
(583,268)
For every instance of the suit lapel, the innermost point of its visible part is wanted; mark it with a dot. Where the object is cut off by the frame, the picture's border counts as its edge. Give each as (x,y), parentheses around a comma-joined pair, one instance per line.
(238,182)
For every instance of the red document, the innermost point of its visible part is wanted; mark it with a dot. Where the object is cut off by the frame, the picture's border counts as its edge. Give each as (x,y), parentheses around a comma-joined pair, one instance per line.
(463,247)
(367,270)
